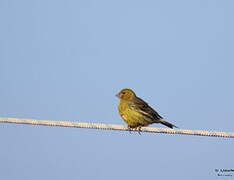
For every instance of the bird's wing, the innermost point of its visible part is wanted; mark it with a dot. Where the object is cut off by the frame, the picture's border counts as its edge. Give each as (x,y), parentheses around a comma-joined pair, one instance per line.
(142,107)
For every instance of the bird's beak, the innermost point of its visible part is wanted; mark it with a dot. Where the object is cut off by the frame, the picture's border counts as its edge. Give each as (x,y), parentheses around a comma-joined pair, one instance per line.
(117,95)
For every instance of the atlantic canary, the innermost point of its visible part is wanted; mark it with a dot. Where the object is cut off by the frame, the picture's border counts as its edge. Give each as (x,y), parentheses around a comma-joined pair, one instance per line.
(136,112)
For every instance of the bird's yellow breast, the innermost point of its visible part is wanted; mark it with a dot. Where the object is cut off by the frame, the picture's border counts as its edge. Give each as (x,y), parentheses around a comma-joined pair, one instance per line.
(131,117)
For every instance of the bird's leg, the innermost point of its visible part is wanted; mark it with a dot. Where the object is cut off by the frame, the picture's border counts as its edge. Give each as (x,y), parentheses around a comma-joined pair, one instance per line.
(129,129)
(139,129)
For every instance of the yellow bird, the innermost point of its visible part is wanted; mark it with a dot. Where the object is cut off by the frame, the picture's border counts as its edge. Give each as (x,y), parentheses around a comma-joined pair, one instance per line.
(136,112)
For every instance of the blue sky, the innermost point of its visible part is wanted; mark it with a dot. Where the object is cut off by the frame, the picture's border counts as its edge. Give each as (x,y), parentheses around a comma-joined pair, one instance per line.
(65,60)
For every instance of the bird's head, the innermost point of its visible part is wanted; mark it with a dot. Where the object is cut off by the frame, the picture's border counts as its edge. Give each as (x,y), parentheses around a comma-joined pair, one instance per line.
(126,94)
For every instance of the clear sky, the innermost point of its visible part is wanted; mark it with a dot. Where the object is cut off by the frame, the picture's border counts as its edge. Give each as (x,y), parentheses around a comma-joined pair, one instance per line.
(66,59)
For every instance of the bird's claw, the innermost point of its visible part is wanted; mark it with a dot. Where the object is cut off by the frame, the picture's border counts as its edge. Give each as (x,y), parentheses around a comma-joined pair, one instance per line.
(129,129)
(139,130)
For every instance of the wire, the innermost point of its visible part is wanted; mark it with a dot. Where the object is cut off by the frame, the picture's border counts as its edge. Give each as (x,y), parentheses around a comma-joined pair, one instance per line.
(115,127)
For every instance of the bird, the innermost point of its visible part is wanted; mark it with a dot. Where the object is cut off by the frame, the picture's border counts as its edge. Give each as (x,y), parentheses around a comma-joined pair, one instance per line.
(136,112)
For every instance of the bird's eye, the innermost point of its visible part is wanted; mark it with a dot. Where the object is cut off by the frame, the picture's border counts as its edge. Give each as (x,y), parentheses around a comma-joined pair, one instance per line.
(123,93)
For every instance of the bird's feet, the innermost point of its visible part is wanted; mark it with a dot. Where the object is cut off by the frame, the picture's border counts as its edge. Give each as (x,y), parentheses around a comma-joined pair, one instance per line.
(129,129)
(139,129)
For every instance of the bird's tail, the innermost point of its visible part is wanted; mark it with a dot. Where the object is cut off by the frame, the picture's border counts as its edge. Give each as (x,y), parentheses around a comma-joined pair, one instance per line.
(167,124)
